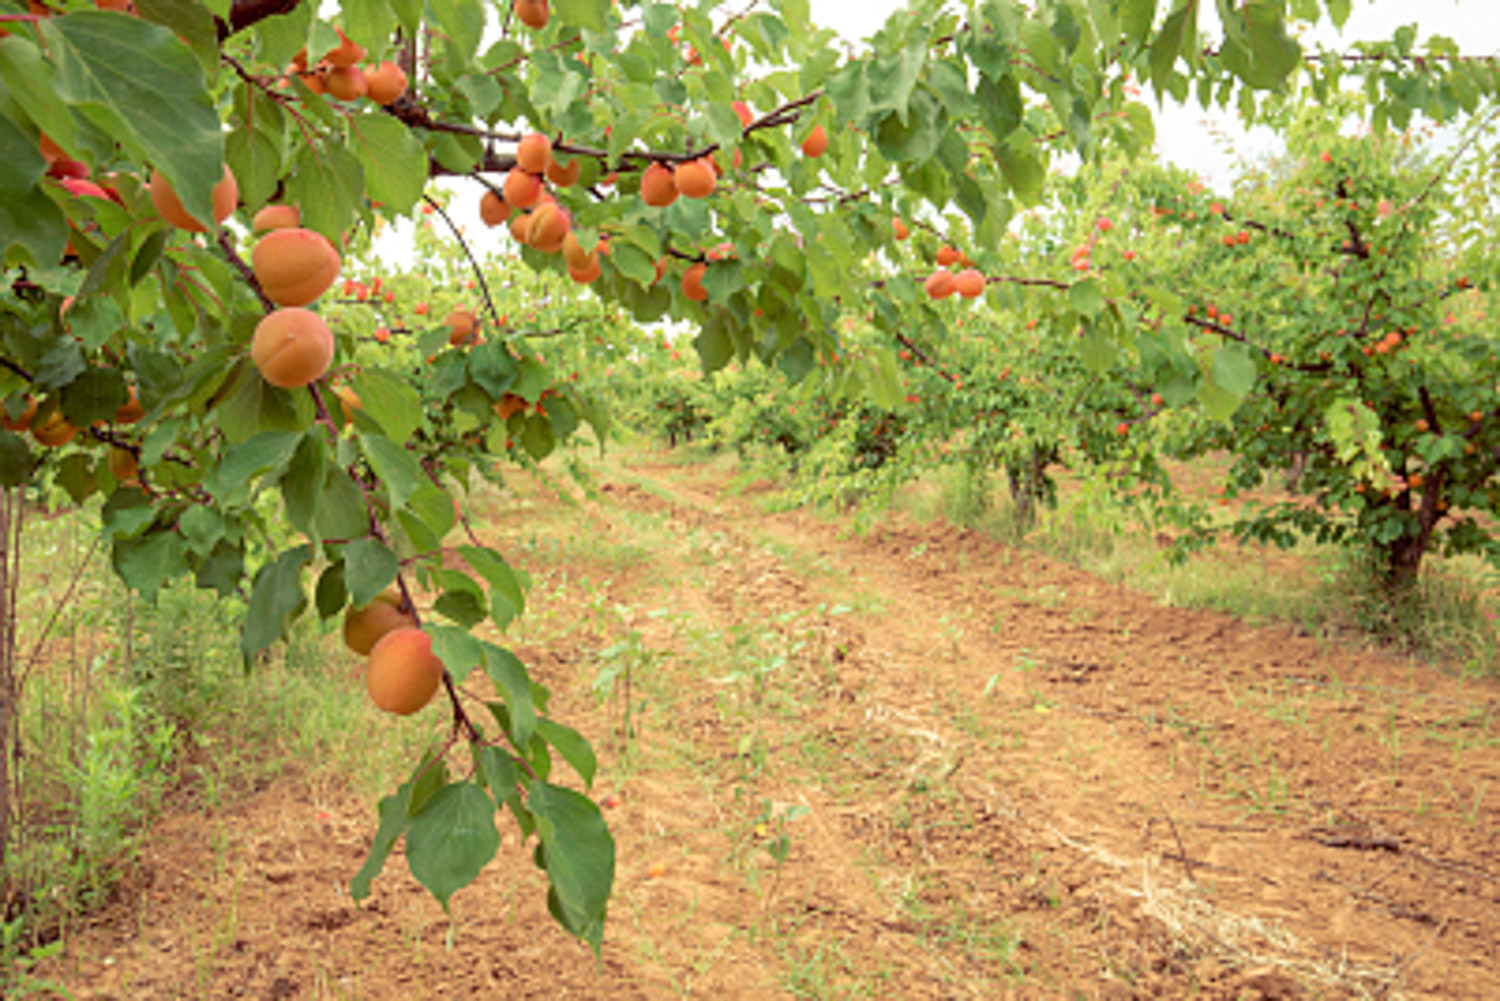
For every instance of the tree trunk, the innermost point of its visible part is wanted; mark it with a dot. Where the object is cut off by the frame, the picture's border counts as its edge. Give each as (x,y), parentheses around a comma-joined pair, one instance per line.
(9,564)
(1404,555)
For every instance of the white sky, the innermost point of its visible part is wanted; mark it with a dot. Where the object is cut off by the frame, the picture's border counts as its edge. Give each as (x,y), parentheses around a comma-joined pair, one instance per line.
(1208,143)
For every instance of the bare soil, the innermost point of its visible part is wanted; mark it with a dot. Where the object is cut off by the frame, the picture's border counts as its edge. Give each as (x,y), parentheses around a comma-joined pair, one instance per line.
(998,776)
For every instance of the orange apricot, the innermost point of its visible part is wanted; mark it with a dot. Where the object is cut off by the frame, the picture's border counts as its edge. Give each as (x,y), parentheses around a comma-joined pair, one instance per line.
(695,179)
(575,254)
(520,226)
(461,323)
(743,112)
(692,282)
(276,217)
(533,13)
(533,153)
(131,410)
(658,187)
(549,227)
(969,283)
(509,404)
(294,266)
(586,274)
(23,422)
(816,142)
(54,431)
(123,464)
(940,284)
(946,255)
(347,83)
(226,196)
(386,83)
(899,228)
(292,347)
(364,626)
(564,175)
(347,53)
(522,190)
(403,673)
(493,209)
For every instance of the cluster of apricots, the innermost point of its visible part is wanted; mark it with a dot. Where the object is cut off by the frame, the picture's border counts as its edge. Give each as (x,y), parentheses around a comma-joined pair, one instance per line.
(401,672)
(535,217)
(943,282)
(338,75)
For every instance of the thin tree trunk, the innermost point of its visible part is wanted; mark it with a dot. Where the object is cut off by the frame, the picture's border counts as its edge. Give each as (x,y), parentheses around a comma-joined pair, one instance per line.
(8,707)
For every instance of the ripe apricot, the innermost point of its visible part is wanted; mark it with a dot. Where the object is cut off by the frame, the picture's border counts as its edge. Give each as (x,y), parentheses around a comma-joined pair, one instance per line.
(658,187)
(549,228)
(294,266)
(346,54)
(574,252)
(131,410)
(520,226)
(403,673)
(533,153)
(23,422)
(816,142)
(743,112)
(587,274)
(564,175)
(522,190)
(386,83)
(123,465)
(509,404)
(461,323)
(533,13)
(292,347)
(692,282)
(493,209)
(969,283)
(226,195)
(940,284)
(347,83)
(946,255)
(695,179)
(899,228)
(364,626)
(276,217)
(54,431)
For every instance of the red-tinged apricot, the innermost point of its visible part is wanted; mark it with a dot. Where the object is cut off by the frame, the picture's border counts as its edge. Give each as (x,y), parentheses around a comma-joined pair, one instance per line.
(382,335)
(22,422)
(314,82)
(403,673)
(54,431)
(692,282)
(294,266)
(587,274)
(365,626)
(276,217)
(564,175)
(131,410)
(522,190)
(346,54)
(549,228)
(493,209)
(743,113)
(695,179)
(292,347)
(969,283)
(946,255)
(226,195)
(386,83)
(347,83)
(658,187)
(816,142)
(899,228)
(461,325)
(533,13)
(509,404)
(940,284)
(520,226)
(123,465)
(349,402)
(533,153)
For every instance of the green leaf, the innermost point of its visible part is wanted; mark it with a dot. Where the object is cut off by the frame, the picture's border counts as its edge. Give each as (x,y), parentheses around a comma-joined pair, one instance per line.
(341,512)
(21,163)
(1086,297)
(1178,36)
(580,857)
(1234,369)
(451,839)
(30,80)
(275,601)
(202,527)
(509,675)
(328,185)
(1023,170)
(94,396)
(190,21)
(369,568)
(463,21)
(457,648)
(590,14)
(393,820)
(229,481)
(253,406)
(395,164)
(389,401)
(396,467)
(147,561)
(507,600)
(574,749)
(302,485)
(256,161)
(77,475)
(140,84)
(33,222)
(16,460)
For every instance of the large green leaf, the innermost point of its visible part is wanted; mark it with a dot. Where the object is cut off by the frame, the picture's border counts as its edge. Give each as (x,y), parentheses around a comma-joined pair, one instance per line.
(572,746)
(328,185)
(395,164)
(509,675)
(369,568)
(579,853)
(395,466)
(143,86)
(229,481)
(393,819)
(451,839)
(275,601)
(390,402)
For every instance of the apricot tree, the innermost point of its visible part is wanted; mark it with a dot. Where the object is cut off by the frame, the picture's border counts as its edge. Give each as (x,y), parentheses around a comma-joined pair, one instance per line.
(738,170)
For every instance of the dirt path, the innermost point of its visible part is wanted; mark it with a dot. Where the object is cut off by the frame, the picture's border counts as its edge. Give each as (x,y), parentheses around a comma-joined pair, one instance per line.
(996,777)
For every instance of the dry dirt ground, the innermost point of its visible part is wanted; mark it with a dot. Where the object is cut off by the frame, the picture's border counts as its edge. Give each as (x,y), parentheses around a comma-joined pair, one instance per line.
(997,777)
